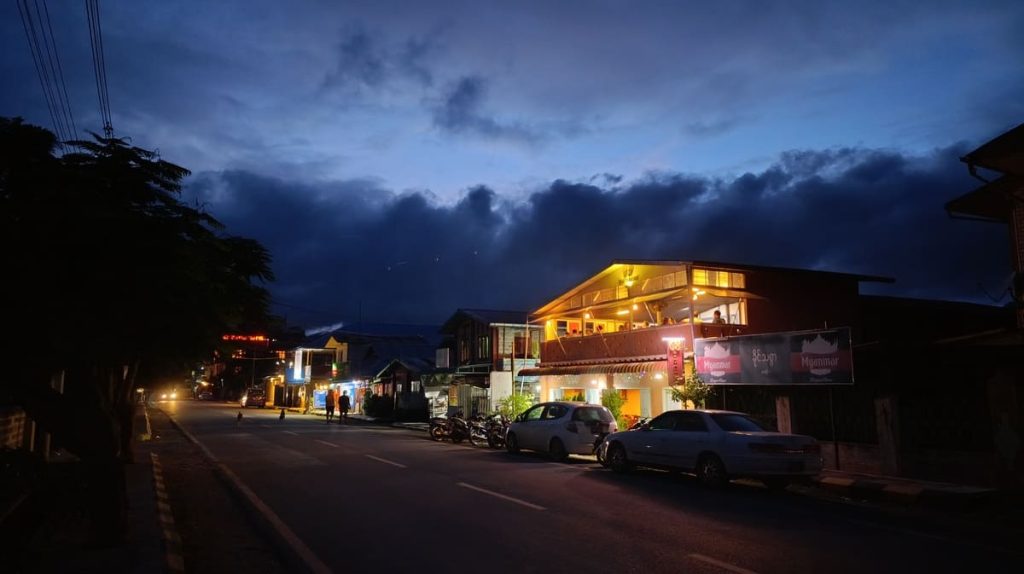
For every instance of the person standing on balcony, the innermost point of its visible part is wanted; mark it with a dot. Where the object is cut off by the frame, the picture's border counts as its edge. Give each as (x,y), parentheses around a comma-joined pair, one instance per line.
(718,318)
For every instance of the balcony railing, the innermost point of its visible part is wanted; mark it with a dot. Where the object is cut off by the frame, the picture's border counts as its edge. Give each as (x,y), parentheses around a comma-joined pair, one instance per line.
(630,344)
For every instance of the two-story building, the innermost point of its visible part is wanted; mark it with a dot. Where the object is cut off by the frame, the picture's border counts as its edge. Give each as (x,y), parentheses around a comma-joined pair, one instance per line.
(613,330)
(485,352)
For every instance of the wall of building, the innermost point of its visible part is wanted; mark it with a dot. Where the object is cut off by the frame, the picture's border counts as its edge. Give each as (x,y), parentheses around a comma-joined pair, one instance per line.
(12,427)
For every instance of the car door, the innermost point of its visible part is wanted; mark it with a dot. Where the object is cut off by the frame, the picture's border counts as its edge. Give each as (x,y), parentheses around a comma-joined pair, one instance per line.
(551,422)
(529,427)
(688,439)
(649,444)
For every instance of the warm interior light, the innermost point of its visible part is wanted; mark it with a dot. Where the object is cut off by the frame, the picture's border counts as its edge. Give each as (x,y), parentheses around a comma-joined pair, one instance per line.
(622,312)
(628,281)
(635,306)
(586,315)
(594,382)
(659,376)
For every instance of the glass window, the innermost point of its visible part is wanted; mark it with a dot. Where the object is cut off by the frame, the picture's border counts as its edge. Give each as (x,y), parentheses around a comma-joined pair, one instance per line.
(664,421)
(588,414)
(532,414)
(736,423)
(691,422)
(555,412)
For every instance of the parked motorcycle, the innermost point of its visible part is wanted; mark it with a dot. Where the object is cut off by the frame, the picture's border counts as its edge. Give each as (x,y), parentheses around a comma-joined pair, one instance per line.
(497,426)
(453,427)
(478,430)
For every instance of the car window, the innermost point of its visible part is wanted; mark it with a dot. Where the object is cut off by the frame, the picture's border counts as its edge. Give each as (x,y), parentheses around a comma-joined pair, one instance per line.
(736,423)
(592,414)
(555,412)
(665,421)
(691,422)
(534,413)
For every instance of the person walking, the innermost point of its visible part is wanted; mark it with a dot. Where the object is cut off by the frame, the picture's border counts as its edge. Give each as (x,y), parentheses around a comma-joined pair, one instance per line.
(344,404)
(329,404)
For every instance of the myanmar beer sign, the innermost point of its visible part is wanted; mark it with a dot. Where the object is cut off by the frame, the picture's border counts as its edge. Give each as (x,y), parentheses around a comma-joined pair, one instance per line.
(794,358)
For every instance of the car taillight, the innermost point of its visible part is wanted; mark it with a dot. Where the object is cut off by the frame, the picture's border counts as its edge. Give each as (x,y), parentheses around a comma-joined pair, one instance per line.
(571,426)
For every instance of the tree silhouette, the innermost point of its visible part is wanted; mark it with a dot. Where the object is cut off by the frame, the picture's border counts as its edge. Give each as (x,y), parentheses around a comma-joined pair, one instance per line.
(106,270)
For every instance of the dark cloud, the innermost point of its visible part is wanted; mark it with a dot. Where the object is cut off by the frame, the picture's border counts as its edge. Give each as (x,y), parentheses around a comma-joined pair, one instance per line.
(460,111)
(347,247)
(361,63)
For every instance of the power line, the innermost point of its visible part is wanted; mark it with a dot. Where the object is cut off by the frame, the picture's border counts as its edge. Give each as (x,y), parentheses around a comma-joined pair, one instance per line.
(44,81)
(60,70)
(99,67)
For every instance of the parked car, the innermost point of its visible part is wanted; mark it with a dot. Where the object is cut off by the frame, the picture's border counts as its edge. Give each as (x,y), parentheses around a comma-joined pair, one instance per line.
(716,446)
(205,396)
(560,428)
(253,398)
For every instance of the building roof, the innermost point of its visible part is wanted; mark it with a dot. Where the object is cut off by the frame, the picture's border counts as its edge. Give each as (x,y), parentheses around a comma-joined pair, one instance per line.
(368,358)
(619,263)
(366,332)
(1004,153)
(485,316)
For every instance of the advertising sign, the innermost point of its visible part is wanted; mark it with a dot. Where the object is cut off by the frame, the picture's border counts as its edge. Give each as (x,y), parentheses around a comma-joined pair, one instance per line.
(320,399)
(794,358)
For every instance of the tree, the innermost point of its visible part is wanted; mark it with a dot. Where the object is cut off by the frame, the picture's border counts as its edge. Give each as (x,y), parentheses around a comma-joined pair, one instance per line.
(111,272)
(613,400)
(511,406)
(691,389)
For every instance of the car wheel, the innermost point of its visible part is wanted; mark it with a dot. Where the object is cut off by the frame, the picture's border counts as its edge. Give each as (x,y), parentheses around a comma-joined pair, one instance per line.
(512,443)
(556,450)
(711,471)
(617,459)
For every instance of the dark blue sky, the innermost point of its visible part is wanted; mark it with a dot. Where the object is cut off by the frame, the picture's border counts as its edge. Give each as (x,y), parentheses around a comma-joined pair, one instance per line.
(408,158)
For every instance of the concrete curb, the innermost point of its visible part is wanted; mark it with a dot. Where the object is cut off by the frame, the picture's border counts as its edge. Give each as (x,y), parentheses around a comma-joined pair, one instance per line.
(293,552)
(908,492)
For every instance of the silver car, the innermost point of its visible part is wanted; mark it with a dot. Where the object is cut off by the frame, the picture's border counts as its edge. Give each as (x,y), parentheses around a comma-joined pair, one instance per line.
(560,429)
(716,446)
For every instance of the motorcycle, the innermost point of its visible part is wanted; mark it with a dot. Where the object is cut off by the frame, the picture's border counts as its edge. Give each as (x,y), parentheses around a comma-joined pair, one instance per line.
(497,426)
(478,430)
(453,427)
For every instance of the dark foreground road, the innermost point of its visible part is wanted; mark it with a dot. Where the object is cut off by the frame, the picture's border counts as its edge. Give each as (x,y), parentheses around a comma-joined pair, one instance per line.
(362,498)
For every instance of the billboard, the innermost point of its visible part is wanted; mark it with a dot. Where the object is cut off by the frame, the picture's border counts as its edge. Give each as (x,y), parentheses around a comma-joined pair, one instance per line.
(792,358)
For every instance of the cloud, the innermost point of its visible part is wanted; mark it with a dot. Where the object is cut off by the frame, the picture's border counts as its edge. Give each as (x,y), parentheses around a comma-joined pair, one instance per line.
(360,64)
(460,112)
(347,247)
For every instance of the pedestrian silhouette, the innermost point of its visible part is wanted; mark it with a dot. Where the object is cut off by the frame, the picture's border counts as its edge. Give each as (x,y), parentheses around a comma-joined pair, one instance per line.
(282,415)
(239,418)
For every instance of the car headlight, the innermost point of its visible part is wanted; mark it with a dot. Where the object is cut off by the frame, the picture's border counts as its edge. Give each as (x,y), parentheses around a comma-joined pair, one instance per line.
(174,395)
(163,396)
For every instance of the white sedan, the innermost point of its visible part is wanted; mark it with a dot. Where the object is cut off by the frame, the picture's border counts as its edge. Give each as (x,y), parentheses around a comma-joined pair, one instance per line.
(716,446)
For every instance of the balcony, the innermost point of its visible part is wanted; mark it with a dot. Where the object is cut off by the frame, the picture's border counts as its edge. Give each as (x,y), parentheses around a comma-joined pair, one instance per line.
(628,345)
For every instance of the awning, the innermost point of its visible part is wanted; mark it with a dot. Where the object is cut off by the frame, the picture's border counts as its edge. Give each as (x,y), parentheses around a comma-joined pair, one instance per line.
(609,368)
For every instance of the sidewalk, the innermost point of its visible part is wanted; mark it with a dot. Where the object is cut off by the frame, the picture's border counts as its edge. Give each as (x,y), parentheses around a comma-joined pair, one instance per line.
(907,490)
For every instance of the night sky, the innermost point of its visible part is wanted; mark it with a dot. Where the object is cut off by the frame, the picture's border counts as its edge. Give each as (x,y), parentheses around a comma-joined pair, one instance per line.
(404,159)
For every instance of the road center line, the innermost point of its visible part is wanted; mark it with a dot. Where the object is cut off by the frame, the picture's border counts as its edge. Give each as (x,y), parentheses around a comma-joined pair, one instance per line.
(386,461)
(502,496)
(325,442)
(290,432)
(720,564)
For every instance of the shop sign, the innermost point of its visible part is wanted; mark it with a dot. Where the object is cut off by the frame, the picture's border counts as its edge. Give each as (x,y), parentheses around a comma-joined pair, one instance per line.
(792,358)
(676,368)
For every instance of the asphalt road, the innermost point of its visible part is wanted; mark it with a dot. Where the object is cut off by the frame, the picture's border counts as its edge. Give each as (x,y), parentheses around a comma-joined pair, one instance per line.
(366,498)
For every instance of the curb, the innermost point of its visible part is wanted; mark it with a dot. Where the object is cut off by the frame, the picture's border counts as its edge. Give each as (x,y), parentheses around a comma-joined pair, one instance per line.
(294,553)
(908,493)
(172,541)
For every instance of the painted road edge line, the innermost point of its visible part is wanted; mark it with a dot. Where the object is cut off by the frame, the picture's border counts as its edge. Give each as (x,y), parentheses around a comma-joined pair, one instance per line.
(297,545)
(502,496)
(386,461)
(173,554)
(290,432)
(721,564)
(326,443)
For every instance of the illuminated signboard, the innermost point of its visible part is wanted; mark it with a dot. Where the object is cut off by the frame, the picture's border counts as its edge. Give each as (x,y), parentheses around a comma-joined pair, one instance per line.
(794,358)
(246,338)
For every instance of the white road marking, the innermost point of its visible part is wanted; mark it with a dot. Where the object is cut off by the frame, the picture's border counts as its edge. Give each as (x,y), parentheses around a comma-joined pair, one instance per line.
(720,564)
(325,442)
(313,563)
(386,461)
(502,496)
(290,432)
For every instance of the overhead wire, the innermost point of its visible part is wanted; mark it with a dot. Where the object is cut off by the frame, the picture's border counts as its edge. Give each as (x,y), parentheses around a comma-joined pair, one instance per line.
(92,11)
(33,43)
(60,71)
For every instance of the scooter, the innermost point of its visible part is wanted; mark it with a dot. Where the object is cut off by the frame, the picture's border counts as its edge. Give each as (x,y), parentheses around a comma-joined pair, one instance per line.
(454,428)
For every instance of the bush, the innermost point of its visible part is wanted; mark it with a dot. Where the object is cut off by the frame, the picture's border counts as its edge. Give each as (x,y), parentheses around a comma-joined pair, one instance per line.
(613,401)
(379,406)
(691,389)
(511,406)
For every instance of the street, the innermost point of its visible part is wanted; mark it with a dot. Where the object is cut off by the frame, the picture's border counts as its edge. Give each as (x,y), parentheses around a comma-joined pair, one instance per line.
(361,497)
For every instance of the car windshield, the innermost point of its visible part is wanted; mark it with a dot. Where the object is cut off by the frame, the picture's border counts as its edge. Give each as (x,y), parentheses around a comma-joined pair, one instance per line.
(592,414)
(736,423)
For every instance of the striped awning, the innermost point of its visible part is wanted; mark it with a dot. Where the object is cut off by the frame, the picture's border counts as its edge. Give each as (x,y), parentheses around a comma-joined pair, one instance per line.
(637,367)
